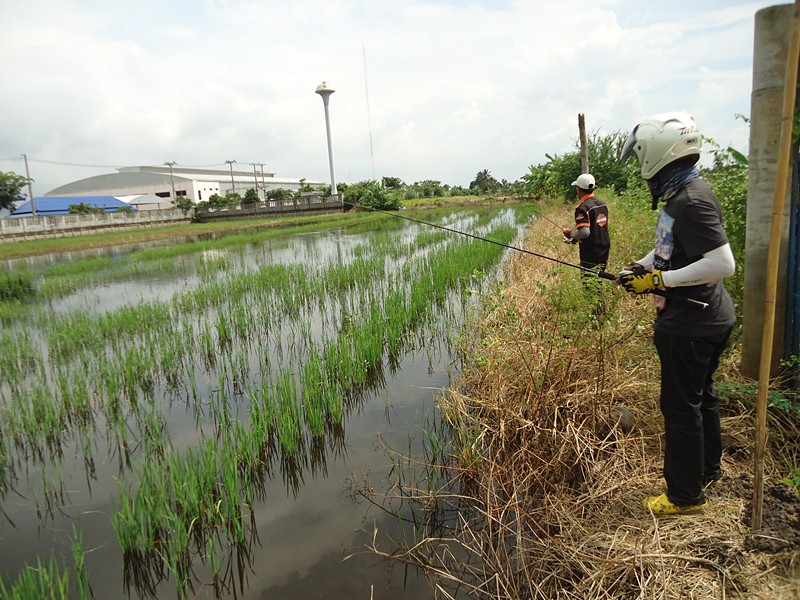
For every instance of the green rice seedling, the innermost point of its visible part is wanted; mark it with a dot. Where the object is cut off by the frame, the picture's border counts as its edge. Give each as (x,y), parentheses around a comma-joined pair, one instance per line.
(110,380)
(218,405)
(211,556)
(116,419)
(312,383)
(17,356)
(230,507)
(241,320)
(43,417)
(207,345)
(173,551)
(127,522)
(17,286)
(288,415)
(74,395)
(81,574)
(137,371)
(51,495)
(14,312)
(263,410)
(171,358)
(224,335)
(45,580)
(152,431)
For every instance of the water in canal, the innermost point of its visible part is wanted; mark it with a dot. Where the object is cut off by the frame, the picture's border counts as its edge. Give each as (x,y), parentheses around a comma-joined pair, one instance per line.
(197,419)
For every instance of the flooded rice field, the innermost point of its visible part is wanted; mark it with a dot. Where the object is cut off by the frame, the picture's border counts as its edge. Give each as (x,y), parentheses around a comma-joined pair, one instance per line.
(195,420)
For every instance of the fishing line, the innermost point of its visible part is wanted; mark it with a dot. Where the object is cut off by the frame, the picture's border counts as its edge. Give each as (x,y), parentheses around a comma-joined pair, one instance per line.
(600,274)
(551,221)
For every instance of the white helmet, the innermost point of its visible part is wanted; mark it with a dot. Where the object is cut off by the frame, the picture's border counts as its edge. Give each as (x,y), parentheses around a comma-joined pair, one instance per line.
(661,140)
(584,181)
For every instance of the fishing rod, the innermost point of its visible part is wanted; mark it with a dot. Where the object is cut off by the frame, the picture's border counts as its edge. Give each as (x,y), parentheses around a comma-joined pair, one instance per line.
(561,227)
(601,274)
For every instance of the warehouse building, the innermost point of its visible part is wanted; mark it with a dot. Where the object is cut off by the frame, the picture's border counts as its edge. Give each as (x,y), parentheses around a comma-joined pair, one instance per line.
(167,182)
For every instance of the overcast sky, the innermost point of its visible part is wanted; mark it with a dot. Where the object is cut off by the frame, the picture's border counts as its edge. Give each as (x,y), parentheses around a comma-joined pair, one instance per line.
(425,89)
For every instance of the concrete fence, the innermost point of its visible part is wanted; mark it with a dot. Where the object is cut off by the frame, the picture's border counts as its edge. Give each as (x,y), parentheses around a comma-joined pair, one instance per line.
(272,207)
(32,228)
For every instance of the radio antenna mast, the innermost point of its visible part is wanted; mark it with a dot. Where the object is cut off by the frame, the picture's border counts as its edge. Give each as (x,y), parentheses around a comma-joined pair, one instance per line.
(369,119)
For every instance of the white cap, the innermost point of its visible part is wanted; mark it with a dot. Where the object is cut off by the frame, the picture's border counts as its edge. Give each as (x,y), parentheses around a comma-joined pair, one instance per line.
(584,181)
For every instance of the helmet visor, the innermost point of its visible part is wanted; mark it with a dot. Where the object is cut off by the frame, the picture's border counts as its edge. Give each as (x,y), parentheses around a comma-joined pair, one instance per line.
(627,149)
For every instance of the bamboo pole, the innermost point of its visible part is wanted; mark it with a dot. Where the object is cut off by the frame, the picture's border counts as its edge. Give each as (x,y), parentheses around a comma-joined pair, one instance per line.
(773,255)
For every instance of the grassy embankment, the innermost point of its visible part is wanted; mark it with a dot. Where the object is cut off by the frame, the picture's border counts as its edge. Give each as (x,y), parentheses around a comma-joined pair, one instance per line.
(548,485)
(113,238)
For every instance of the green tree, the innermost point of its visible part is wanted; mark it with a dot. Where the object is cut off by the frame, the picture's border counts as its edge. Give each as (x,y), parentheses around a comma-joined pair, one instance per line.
(728,178)
(304,188)
(392,182)
(185,203)
(484,183)
(370,194)
(216,201)
(11,186)
(85,209)
(279,194)
(250,197)
(555,177)
(457,190)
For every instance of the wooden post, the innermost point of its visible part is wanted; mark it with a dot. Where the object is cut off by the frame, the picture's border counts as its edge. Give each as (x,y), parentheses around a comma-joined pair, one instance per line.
(779,198)
(584,148)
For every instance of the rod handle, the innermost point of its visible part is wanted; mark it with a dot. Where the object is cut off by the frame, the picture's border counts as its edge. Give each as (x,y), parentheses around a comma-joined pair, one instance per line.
(662,293)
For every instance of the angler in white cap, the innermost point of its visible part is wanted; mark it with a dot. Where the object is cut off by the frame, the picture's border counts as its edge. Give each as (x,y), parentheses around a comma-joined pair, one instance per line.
(591,230)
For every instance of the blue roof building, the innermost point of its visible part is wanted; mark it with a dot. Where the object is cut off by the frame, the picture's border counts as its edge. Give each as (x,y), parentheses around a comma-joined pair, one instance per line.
(59,205)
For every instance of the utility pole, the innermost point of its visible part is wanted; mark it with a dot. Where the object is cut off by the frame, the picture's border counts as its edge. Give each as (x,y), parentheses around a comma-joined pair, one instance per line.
(324,91)
(263,183)
(584,147)
(255,176)
(30,187)
(172,179)
(233,183)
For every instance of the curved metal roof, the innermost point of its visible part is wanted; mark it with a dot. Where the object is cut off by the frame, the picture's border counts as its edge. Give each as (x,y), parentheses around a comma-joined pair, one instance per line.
(113,181)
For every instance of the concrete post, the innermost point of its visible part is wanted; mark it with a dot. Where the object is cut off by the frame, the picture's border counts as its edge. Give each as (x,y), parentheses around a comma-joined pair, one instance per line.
(771,40)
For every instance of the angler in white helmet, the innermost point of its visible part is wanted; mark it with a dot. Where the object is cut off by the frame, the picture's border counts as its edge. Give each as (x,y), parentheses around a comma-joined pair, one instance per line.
(690,259)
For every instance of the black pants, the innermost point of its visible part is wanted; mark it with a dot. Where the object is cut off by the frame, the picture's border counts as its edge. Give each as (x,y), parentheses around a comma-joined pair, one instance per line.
(693,444)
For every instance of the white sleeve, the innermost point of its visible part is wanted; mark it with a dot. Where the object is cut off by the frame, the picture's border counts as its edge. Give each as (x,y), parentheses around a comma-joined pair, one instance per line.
(647,261)
(715,265)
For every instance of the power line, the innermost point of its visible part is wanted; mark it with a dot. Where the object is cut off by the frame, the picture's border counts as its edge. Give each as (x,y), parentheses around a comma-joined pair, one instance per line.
(69,164)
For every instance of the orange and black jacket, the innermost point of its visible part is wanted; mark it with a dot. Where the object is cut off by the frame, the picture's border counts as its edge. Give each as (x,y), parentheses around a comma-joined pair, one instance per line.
(593,213)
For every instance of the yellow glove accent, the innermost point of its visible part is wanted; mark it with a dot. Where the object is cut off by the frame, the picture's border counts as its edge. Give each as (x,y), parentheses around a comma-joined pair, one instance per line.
(642,282)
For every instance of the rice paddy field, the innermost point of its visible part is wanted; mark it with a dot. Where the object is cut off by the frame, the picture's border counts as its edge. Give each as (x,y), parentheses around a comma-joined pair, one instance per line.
(192,419)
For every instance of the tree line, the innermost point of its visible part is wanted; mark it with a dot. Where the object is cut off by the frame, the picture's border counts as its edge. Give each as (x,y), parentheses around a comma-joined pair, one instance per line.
(551,179)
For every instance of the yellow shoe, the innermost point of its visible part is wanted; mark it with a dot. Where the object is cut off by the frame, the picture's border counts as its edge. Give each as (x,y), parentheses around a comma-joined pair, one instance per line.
(661,505)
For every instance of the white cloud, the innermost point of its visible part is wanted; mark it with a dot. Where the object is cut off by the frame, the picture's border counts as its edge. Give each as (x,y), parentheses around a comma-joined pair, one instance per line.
(454,87)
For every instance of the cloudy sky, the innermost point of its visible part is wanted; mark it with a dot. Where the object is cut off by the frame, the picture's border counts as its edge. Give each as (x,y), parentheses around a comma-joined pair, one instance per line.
(425,89)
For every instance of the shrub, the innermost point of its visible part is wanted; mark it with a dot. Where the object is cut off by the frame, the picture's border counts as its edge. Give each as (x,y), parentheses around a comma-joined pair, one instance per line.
(371,195)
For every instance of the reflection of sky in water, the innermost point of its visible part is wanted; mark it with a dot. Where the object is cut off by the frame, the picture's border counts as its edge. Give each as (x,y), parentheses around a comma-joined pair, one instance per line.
(310,248)
(304,537)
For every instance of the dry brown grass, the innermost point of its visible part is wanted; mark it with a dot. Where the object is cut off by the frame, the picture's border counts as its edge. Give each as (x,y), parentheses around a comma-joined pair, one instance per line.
(548,487)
